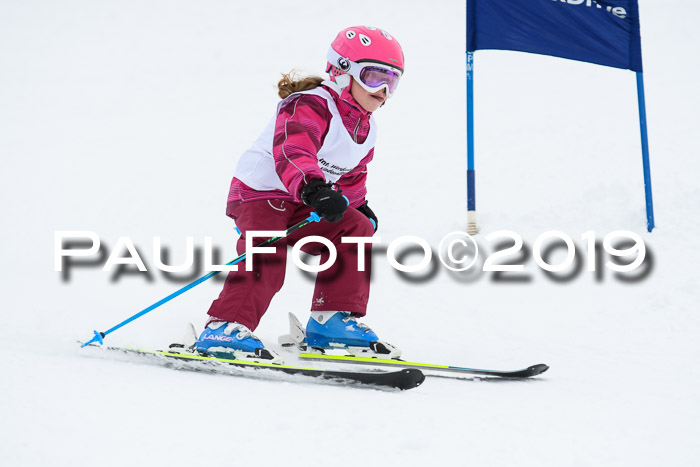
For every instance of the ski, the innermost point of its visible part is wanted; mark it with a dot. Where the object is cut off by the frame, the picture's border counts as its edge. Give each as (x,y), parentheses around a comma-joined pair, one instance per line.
(445,370)
(383,354)
(403,379)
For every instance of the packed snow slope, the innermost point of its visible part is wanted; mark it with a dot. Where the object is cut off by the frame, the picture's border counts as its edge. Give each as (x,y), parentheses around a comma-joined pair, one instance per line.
(127,118)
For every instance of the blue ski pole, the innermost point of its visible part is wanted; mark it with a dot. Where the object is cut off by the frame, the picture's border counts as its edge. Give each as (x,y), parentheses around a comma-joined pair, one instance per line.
(99,336)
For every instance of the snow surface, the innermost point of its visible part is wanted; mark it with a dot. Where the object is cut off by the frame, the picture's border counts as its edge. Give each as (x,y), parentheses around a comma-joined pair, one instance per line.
(127,118)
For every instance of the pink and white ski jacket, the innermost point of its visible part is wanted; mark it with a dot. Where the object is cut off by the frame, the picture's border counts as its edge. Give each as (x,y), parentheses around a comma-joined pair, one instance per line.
(319,134)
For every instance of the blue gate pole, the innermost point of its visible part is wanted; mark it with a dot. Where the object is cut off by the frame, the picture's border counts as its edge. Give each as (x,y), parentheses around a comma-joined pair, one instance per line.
(471,192)
(645,151)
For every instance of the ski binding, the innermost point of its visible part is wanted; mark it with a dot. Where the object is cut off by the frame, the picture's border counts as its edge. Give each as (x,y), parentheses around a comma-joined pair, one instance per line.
(187,348)
(297,339)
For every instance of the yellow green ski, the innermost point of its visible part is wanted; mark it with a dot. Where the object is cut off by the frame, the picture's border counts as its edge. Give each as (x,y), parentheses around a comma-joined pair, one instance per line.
(398,379)
(444,370)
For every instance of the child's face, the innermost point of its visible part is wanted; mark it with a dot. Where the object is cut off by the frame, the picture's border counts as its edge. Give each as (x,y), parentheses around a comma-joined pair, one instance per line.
(369,101)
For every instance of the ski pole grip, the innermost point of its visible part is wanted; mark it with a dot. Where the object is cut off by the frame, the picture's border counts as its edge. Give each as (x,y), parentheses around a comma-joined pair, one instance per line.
(313,217)
(316,218)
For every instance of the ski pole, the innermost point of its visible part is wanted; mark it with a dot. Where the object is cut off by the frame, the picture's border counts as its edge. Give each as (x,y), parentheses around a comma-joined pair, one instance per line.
(99,336)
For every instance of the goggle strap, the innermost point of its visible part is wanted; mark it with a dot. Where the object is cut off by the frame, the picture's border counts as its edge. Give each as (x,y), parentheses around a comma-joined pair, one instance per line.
(354,68)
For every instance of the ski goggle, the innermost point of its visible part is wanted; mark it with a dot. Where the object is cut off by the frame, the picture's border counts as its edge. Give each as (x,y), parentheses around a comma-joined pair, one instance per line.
(372,76)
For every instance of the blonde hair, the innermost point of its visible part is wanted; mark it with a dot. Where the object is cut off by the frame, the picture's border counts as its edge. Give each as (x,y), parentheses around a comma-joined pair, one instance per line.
(291,83)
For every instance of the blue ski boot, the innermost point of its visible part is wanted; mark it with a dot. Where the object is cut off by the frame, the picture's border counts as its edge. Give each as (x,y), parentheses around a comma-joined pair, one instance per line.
(222,339)
(337,330)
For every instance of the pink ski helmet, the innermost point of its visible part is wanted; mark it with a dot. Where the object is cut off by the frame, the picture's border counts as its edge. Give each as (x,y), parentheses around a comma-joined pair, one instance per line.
(370,55)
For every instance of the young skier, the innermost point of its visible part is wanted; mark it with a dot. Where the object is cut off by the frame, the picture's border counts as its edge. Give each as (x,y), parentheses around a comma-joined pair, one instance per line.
(312,156)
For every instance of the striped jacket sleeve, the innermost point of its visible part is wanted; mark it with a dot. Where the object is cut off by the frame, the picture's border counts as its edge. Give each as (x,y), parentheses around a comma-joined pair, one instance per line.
(300,129)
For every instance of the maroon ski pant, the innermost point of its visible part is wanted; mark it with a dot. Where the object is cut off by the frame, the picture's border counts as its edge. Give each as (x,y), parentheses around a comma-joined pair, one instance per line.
(247,295)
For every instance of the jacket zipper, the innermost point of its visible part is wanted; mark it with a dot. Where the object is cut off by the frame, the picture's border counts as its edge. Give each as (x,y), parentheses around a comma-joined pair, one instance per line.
(357,127)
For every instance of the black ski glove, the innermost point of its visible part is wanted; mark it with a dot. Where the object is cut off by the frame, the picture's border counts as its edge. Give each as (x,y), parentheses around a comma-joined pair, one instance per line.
(328,203)
(367,211)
